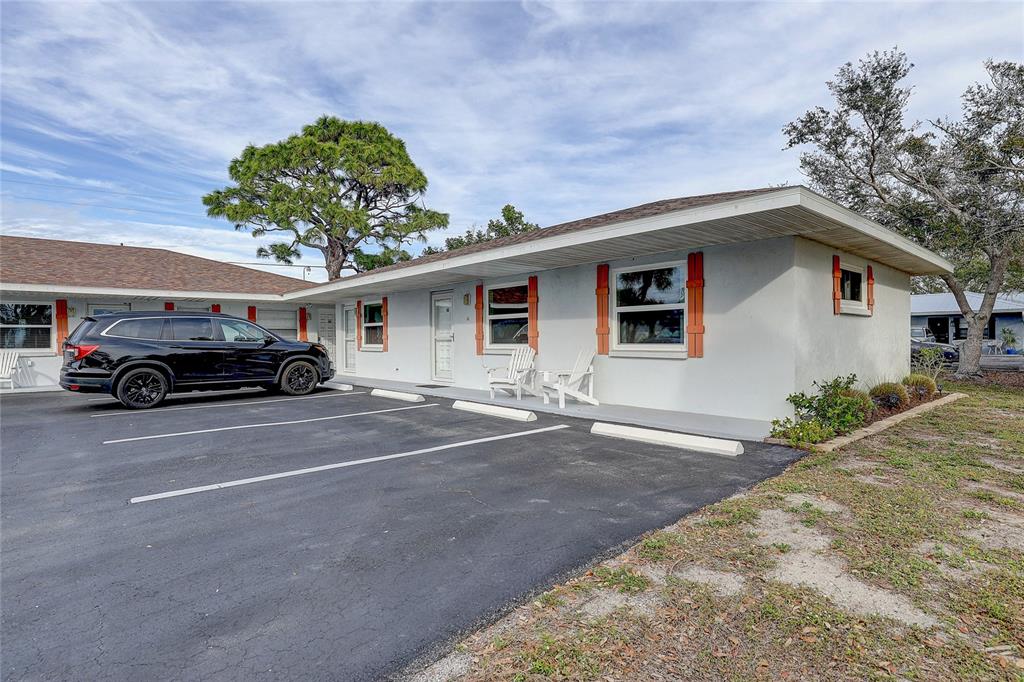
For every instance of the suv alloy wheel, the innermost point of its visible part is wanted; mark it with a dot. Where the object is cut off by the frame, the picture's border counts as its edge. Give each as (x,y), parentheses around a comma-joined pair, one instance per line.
(142,388)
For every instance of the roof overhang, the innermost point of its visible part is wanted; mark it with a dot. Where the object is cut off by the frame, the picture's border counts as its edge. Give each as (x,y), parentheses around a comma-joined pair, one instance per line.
(791,211)
(14,289)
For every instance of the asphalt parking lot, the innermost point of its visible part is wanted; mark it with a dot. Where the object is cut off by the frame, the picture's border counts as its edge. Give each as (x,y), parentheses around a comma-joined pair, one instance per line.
(374,531)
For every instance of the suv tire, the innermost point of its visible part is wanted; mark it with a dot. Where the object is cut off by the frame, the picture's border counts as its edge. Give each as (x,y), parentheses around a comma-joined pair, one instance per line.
(299,378)
(141,389)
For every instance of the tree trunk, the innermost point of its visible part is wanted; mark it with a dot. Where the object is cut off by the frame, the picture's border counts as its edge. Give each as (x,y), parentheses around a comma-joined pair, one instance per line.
(970,352)
(334,266)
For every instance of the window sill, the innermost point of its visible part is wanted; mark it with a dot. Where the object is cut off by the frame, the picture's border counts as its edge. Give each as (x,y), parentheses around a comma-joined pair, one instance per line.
(504,350)
(654,354)
(372,349)
(863,312)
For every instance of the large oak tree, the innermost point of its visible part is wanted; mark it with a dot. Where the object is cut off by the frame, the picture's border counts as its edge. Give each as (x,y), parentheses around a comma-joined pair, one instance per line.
(955,186)
(345,188)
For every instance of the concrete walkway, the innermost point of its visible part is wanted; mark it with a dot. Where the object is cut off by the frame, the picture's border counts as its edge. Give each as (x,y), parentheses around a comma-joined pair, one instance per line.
(684,422)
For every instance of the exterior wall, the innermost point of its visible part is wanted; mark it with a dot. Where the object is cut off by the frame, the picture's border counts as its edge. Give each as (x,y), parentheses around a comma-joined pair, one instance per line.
(1014,322)
(749,314)
(875,348)
(41,368)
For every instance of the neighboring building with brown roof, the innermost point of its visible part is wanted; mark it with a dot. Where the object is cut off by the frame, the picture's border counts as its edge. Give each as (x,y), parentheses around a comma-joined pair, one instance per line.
(29,260)
(709,309)
(47,286)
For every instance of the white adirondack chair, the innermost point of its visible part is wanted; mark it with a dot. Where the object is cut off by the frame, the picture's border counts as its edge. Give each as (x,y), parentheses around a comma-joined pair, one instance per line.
(571,382)
(8,366)
(517,377)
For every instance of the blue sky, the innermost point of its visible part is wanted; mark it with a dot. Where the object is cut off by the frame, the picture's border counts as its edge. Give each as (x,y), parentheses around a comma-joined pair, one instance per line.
(117,118)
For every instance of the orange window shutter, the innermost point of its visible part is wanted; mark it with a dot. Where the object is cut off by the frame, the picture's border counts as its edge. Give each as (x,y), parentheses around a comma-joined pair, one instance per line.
(695,305)
(359,325)
(252,313)
(384,317)
(602,309)
(215,308)
(871,290)
(303,325)
(168,305)
(479,319)
(532,299)
(837,286)
(62,322)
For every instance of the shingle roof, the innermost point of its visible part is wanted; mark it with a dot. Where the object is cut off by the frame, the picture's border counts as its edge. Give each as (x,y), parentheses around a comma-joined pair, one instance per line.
(29,260)
(642,211)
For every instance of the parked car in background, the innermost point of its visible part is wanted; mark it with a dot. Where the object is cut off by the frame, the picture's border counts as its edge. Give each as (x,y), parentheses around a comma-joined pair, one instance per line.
(950,353)
(140,357)
(922,334)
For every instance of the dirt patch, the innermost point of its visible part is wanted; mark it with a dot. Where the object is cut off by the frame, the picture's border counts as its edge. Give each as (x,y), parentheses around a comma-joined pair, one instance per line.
(1013,379)
(1003,531)
(871,479)
(452,666)
(1003,465)
(990,488)
(857,464)
(824,504)
(721,583)
(948,560)
(808,564)
(604,602)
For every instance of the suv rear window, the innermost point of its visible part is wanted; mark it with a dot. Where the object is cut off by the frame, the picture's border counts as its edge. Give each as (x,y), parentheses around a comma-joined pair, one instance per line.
(192,329)
(142,328)
(81,330)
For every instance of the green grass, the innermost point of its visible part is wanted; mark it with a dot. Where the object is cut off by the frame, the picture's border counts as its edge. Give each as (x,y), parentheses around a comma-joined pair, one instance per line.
(622,579)
(904,534)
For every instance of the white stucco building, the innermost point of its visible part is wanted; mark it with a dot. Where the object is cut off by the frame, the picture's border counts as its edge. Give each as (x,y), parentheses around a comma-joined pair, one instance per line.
(718,305)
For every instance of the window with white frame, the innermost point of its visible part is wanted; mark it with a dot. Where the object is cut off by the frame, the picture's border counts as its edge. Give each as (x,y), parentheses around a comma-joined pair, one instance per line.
(852,288)
(648,307)
(508,315)
(26,326)
(373,326)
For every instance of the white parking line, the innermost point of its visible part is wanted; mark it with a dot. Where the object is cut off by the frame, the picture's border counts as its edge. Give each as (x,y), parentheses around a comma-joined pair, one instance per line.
(339,465)
(259,426)
(210,407)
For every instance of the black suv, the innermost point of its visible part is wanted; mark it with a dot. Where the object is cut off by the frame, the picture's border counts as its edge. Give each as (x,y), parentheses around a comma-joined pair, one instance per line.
(141,357)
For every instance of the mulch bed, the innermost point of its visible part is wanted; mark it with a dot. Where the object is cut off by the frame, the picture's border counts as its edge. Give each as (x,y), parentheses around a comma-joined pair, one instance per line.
(881,413)
(1009,378)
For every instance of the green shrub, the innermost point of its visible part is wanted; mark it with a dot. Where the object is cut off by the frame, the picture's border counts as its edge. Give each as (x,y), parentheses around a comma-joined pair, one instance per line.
(890,395)
(864,402)
(930,362)
(920,386)
(834,409)
(798,433)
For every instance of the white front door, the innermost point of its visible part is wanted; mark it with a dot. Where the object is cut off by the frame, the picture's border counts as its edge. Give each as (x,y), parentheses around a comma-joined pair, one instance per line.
(348,322)
(443,336)
(325,333)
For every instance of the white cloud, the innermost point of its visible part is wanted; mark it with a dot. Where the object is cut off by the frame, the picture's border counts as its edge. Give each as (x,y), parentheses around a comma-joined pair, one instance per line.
(563,109)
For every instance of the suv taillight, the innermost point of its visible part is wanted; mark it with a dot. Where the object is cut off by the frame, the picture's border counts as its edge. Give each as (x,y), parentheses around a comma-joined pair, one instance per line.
(74,352)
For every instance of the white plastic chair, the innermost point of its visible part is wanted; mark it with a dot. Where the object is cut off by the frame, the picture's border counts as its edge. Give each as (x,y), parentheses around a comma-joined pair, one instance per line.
(571,382)
(8,366)
(517,377)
